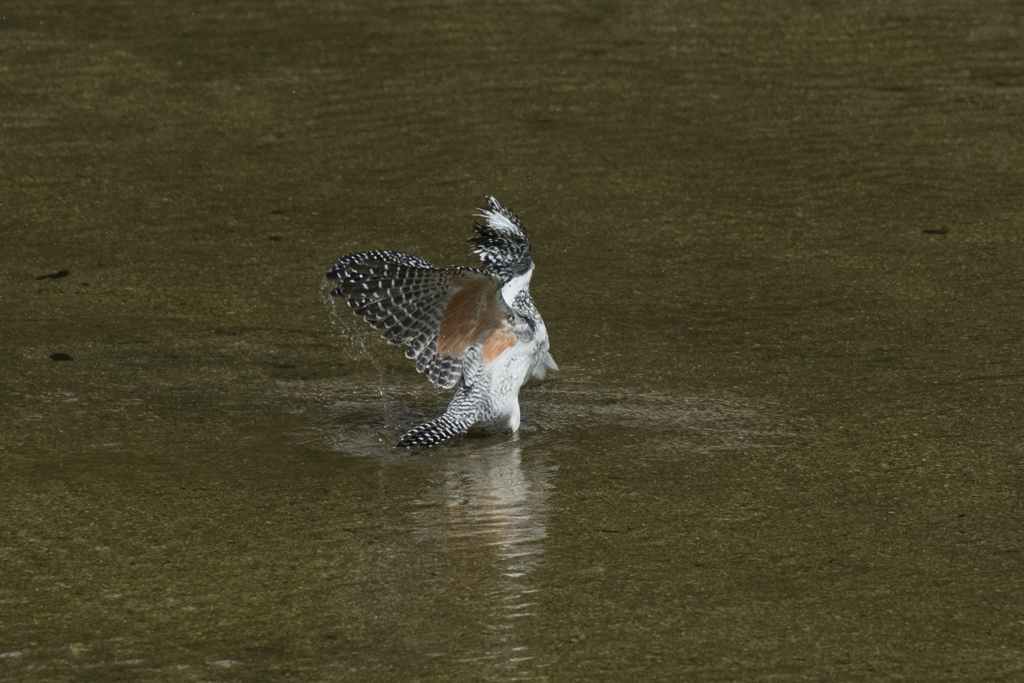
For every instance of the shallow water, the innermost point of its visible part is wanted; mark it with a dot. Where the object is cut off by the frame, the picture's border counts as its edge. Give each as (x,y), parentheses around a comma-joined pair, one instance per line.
(778,252)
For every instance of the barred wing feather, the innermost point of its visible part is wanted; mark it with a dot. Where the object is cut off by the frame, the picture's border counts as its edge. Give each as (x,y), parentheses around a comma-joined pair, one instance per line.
(434,313)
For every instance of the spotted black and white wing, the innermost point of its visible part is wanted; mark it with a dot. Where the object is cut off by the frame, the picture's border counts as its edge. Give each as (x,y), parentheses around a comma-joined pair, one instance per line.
(501,242)
(403,296)
(435,313)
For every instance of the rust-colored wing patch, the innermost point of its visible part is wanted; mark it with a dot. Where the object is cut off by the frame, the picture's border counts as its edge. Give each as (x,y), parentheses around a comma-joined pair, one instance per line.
(498,342)
(476,306)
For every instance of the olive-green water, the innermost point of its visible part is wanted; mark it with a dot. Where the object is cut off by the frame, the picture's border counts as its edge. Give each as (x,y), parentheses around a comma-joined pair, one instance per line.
(779,252)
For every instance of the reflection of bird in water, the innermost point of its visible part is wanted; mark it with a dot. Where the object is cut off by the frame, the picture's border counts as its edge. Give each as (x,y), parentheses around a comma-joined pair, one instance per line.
(488,517)
(475,330)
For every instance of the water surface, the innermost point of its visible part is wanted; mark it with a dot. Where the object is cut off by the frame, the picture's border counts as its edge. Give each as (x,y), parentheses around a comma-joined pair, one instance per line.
(778,252)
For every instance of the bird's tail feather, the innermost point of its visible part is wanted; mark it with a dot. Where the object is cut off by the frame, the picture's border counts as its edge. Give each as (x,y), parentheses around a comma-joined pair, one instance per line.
(435,431)
(465,410)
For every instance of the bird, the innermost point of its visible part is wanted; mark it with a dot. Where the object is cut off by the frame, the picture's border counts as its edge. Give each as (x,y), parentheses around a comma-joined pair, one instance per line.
(474,330)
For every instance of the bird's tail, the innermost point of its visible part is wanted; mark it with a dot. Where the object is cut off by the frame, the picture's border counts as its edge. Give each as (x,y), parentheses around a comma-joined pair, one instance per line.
(435,431)
(464,411)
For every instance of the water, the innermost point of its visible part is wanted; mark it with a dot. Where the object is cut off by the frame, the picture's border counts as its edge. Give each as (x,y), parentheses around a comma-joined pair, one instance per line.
(778,254)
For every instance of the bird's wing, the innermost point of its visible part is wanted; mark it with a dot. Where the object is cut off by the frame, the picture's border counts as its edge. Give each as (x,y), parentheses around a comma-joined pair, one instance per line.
(435,313)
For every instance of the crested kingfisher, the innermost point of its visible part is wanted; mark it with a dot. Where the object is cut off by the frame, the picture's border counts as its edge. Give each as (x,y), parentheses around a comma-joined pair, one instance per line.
(476,330)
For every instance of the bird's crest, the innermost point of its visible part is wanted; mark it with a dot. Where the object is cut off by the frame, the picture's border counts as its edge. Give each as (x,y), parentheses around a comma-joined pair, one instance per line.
(501,241)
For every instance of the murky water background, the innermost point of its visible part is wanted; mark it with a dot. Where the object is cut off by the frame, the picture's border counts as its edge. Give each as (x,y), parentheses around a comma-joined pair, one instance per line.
(778,250)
